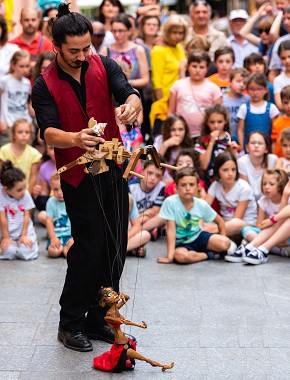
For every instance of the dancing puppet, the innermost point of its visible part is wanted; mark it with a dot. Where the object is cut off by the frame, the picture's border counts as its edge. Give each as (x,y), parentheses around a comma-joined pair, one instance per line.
(123,352)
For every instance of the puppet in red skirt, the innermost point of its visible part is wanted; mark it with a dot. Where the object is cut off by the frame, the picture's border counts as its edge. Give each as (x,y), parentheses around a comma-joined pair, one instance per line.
(123,352)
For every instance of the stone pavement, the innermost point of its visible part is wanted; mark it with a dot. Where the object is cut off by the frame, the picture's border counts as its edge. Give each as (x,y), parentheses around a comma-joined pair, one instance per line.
(215,320)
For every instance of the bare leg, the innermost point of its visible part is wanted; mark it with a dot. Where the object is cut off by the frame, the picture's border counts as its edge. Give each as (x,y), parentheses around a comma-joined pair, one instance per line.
(265,234)
(67,247)
(42,217)
(138,240)
(280,235)
(131,354)
(218,243)
(233,227)
(184,256)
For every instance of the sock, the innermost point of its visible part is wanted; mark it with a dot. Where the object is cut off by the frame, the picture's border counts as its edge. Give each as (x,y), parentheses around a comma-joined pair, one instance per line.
(232,248)
(263,249)
(249,247)
(277,250)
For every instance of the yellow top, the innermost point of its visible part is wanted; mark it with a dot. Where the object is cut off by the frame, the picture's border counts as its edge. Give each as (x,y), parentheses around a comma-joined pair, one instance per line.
(165,61)
(24,161)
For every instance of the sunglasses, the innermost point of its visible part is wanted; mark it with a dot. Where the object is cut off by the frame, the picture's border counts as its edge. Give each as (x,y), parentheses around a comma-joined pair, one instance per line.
(267,31)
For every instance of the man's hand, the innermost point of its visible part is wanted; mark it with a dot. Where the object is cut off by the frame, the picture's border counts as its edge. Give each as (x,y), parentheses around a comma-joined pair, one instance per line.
(126,113)
(86,139)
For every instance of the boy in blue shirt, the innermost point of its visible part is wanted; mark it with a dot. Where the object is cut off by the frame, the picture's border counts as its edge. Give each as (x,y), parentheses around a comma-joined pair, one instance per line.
(184,215)
(57,221)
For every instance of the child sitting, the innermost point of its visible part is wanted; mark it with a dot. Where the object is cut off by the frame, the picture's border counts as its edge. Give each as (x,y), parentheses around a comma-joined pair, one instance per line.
(137,237)
(273,184)
(149,195)
(19,240)
(273,237)
(186,241)
(235,196)
(187,158)
(57,221)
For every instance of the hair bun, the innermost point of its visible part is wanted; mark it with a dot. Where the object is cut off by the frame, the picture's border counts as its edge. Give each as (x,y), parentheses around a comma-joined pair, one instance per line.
(63,9)
(7,165)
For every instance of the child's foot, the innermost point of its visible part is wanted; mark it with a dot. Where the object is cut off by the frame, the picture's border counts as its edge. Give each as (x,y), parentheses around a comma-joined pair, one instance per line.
(138,252)
(256,256)
(141,251)
(237,255)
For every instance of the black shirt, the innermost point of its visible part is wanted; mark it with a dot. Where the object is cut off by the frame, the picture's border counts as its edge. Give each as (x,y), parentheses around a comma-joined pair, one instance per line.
(44,104)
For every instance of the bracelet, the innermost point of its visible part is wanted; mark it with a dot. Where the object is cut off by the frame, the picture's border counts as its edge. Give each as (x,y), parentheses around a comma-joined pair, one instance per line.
(272,218)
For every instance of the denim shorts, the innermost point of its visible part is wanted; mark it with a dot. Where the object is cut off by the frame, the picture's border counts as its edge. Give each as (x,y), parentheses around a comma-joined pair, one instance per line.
(63,240)
(199,244)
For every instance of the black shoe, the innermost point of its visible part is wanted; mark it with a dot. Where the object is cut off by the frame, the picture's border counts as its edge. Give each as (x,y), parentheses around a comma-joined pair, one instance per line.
(75,340)
(105,334)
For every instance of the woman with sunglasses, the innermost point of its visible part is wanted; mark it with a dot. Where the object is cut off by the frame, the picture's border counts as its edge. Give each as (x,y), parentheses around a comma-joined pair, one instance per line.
(265,41)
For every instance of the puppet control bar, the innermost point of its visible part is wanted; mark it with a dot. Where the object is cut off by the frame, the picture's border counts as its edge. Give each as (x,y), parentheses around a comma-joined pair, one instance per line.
(113,150)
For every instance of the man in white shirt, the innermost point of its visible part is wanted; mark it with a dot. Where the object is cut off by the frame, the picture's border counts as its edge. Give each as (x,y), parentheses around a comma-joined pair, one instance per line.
(240,45)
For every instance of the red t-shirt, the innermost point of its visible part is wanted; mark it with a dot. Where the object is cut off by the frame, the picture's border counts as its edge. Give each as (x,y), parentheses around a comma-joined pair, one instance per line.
(38,45)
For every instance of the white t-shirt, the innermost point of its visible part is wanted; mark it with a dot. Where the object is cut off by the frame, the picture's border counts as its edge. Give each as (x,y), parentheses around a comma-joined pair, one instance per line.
(254,176)
(144,200)
(241,191)
(242,112)
(14,99)
(6,53)
(280,82)
(192,99)
(14,210)
(268,206)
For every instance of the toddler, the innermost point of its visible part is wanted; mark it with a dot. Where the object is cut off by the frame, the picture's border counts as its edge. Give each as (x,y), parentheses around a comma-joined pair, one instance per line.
(19,240)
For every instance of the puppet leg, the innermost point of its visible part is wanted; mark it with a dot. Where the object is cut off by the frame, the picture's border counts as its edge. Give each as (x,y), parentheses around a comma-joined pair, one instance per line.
(131,354)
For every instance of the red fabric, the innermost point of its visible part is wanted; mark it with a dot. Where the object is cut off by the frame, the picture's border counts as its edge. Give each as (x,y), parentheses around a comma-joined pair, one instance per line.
(109,360)
(72,117)
(33,47)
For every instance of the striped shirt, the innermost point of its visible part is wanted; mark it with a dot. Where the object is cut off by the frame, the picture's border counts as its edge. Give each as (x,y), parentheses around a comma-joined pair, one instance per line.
(14,211)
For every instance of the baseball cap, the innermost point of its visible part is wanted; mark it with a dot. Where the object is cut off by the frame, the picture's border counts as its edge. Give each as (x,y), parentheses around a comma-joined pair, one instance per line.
(238,13)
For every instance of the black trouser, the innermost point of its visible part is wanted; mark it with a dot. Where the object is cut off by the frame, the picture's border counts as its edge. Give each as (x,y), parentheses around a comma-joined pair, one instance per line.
(98,211)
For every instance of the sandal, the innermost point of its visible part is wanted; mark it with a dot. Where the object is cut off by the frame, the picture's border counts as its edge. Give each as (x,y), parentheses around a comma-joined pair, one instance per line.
(141,251)
(138,252)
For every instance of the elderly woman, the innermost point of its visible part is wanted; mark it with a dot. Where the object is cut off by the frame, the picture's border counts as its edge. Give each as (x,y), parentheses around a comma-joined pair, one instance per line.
(6,49)
(166,60)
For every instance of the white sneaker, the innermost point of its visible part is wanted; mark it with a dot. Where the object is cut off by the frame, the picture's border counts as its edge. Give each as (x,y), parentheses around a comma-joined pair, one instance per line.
(237,255)
(256,256)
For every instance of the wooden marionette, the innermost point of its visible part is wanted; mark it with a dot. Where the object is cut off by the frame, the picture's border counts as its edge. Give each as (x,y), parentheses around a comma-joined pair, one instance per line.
(122,354)
(95,162)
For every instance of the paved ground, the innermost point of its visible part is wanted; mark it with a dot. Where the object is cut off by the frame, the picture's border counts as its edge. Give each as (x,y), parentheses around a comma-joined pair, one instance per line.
(216,320)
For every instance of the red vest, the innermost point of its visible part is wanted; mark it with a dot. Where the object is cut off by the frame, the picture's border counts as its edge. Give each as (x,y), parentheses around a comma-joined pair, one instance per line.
(72,118)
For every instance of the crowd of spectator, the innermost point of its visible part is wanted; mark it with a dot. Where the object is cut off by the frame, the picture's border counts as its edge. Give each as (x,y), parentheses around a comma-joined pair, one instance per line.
(216,103)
